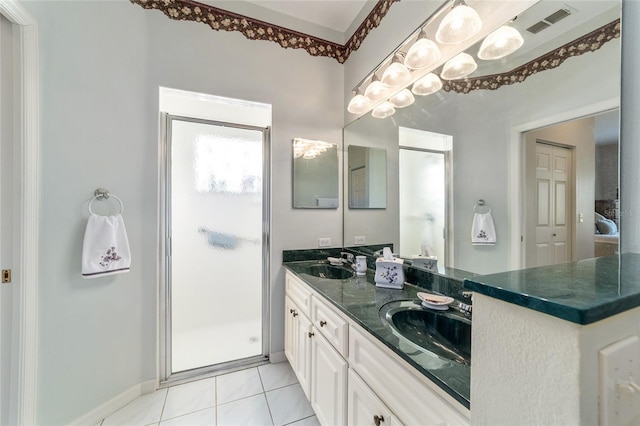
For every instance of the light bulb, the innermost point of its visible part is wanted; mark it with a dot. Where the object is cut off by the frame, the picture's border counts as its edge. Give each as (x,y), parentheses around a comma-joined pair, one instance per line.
(402,99)
(427,85)
(396,75)
(383,110)
(459,66)
(359,104)
(422,54)
(459,25)
(500,43)
(376,91)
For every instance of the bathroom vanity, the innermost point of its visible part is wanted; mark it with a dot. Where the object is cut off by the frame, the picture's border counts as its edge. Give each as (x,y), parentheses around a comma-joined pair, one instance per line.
(353,367)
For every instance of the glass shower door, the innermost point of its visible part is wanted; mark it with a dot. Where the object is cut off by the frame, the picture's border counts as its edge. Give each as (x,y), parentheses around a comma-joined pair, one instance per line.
(216,222)
(422,203)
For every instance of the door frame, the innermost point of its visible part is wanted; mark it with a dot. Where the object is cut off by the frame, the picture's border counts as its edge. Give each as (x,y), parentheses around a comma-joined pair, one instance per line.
(25,274)
(517,179)
(165,376)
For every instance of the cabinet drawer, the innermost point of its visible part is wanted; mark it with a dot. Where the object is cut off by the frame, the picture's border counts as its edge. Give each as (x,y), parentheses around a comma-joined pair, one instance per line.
(332,326)
(411,399)
(298,292)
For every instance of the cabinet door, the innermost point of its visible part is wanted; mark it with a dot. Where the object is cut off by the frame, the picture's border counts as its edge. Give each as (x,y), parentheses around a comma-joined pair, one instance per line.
(303,353)
(290,332)
(365,408)
(328,382)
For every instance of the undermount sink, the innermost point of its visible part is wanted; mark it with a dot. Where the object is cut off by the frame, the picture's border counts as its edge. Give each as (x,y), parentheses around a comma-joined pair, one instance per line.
(329,272)
(442,333)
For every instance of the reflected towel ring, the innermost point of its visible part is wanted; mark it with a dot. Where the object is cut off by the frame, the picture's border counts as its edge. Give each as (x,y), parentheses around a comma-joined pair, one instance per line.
(479,205)
(103,194)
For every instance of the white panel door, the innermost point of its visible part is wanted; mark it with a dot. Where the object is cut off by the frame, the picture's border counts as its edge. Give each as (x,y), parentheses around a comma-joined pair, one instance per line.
(552,206)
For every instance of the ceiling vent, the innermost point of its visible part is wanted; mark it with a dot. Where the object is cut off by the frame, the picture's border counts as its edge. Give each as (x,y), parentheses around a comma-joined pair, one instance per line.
(549,20)
(537,27)
(557,16)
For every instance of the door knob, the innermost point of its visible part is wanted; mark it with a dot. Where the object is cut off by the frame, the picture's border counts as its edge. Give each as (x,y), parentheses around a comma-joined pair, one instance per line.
(378,419)
(311,335)
(323,323)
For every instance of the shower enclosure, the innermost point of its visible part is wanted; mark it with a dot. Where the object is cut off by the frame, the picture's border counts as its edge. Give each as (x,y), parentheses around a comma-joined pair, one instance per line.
(216,252)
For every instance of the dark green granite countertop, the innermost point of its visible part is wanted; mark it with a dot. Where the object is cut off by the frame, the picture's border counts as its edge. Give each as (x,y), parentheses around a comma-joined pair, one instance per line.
(582,292)
(360,300)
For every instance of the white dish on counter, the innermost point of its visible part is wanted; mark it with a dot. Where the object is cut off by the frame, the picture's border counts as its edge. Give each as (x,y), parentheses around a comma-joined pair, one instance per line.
(435,301)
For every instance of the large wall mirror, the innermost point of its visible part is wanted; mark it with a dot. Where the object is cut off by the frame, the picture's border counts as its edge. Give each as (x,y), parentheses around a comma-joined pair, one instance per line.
(316,174)
(499,137)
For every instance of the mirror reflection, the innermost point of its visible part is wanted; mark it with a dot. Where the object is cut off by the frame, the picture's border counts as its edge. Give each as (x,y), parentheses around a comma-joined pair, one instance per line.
(568,106)
(367,177)
(315,174)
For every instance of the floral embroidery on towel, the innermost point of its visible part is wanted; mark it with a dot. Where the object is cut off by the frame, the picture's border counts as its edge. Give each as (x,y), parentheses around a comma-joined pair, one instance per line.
(111,256)
(482,235)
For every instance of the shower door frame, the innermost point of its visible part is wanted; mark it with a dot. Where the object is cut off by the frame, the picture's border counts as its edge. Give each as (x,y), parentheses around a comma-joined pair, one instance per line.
(165,375)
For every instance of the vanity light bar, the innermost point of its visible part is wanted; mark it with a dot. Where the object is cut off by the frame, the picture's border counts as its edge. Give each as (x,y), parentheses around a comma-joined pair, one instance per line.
(493,14)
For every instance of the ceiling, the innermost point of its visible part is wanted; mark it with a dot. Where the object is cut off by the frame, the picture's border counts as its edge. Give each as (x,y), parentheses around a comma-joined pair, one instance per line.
(337,15)
(332,20)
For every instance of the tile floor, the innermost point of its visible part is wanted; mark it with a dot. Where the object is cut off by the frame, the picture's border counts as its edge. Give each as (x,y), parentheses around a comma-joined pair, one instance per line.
(266,395)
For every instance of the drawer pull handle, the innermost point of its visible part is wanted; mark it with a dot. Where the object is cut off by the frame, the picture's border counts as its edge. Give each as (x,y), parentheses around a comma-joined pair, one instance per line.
(295,314)
(291,310)
(311,335)
(323,323)
(378,419)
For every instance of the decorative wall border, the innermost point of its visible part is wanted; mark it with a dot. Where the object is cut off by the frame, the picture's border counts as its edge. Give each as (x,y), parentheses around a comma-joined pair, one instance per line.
(254,29)
(587,43)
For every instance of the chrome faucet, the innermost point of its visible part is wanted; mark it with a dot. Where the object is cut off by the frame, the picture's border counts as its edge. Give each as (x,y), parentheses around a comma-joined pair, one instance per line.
(347,257)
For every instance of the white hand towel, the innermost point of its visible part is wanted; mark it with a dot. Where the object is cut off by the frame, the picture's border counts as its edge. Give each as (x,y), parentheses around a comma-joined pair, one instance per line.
(105,250)
(482,231)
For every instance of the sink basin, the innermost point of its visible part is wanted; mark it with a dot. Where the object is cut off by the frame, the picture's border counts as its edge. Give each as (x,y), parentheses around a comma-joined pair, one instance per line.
(330,272)
(442,333)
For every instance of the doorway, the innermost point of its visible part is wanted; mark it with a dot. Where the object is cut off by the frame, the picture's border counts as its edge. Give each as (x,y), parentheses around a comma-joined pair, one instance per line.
(216,266)
(550,199)
(425,194)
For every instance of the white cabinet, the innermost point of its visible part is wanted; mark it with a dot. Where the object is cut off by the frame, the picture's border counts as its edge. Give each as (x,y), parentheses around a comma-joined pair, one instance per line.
(352,378)
(364,407)
(328,382)
(297,343)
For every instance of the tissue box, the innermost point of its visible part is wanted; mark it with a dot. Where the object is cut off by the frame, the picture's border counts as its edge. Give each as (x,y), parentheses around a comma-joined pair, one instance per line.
(427,262)
(389,273)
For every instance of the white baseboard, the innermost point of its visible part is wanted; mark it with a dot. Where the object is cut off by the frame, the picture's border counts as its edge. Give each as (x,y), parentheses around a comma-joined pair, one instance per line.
(114,404)
(276,357)
(148,386)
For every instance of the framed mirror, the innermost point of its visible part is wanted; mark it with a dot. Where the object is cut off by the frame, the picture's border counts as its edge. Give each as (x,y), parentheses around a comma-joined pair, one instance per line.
(367,176)
(316,174)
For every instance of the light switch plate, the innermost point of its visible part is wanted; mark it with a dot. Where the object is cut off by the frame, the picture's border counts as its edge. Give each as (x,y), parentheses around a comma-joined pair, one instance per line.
(619,366)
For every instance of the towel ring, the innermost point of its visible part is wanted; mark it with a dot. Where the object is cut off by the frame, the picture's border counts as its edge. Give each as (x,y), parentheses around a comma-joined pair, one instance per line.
(103,194)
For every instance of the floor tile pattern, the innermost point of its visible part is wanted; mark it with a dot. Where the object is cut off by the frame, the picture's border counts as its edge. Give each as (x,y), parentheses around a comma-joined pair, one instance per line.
(268,395)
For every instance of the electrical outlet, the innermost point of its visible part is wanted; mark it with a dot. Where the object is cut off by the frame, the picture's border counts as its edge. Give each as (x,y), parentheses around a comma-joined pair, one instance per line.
(359,239)
(620,382)
(324,242)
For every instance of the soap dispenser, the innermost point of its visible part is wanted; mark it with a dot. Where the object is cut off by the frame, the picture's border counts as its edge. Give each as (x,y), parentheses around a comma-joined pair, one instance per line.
(389,272)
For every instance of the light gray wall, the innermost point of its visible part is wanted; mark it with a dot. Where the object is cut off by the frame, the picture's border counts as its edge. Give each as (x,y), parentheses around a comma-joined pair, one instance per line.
(101,64)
